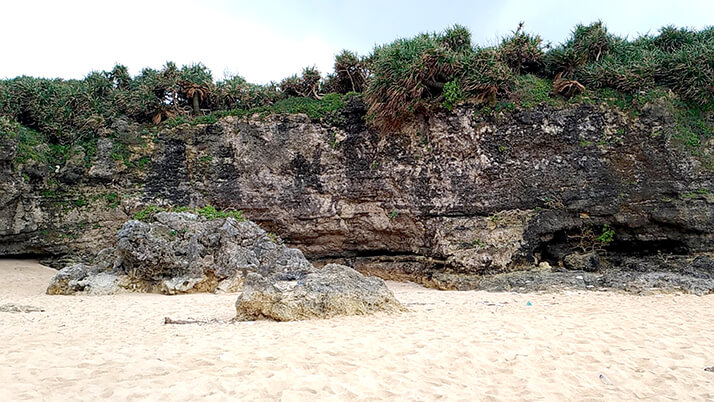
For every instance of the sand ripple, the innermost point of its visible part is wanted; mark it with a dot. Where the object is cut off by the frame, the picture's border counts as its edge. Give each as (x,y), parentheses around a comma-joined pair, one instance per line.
(451,346)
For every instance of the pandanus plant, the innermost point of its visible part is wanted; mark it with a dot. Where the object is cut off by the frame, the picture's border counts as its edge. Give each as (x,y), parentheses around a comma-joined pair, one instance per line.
(195,85)
(197,93)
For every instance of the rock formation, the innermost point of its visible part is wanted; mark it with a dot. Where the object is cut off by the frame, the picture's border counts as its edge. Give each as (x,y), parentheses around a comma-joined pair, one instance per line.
(450,200)
(181,252)
(186,253)
(324,293)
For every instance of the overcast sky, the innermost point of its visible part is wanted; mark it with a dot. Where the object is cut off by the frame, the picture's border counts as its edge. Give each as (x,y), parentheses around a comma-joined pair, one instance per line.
(264,40)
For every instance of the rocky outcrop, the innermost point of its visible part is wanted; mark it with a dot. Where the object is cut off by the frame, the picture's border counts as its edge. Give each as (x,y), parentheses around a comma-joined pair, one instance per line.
(331,291)
(181,253)
(450,199)
(642,275)
(186,253)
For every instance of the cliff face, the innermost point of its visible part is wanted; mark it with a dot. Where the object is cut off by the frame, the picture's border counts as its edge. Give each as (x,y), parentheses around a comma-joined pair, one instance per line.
(447,200)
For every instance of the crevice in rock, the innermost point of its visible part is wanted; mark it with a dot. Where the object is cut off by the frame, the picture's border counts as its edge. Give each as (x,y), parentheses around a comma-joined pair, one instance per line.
(648,248)
(564,242)
(370,253)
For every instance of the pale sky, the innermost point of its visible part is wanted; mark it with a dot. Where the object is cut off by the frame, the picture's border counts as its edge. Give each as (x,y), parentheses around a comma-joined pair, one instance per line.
(266,40)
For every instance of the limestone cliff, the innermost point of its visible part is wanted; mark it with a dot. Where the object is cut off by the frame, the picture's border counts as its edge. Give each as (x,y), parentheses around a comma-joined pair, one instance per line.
(449,199)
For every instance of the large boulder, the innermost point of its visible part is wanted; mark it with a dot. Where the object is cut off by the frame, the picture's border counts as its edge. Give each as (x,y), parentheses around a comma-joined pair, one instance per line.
(331,291)
(95,279)
(186,253)
(181,252)
(86,279)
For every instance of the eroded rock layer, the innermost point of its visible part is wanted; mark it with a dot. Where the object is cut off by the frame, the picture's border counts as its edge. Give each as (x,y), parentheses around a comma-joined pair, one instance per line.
(447,200)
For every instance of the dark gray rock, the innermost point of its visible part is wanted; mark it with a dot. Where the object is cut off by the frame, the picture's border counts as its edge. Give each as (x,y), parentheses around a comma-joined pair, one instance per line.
(73,170)
(8,150)
(185,253)
(102,168)
(637,275)
(588,262)
(331,291)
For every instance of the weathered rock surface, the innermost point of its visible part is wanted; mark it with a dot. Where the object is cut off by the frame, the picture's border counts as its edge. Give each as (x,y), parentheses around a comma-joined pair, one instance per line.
(181,253)
(103,166)
(589,262)
(83,278)
(185,253)
(20,308)
(636,275)
(447,200)
(324,293)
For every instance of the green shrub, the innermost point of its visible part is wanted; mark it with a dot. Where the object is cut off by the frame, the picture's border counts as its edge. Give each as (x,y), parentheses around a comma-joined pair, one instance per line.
(409,75)
(146,213)
(112,200)
(694,125)
(210,212)
(522,52)
(29,142)
(315,109)
(307,85)
(350,75)
(457,39)
(607,235)
(402,79)
(452,94)
(236,93)
(587,44)
(679,59)
(671,38)
(689,71)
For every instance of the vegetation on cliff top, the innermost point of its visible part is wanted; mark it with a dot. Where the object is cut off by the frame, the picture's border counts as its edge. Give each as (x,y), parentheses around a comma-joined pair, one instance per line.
(399,80)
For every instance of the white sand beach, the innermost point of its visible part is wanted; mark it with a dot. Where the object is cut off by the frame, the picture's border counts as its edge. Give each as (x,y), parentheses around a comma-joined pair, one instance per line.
(450,346)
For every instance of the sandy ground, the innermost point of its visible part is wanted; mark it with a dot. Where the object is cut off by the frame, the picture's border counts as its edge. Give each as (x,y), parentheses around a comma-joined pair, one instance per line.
(452,346)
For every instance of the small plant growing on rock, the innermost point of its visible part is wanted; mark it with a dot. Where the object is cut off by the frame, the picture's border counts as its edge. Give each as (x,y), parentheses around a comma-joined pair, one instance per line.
(607,236)
(273,237)
(452,94)
(142,162)
(209,212)
(112,200)
(495,218)
(146,213)
(587,239)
